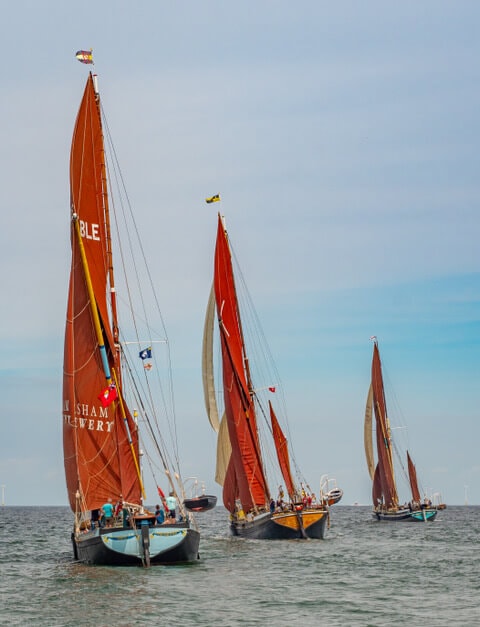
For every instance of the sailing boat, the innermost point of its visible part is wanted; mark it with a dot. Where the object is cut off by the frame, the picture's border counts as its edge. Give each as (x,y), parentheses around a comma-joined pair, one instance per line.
(199,502)
(386,505)
(243,437)
(329,491)
(107,396)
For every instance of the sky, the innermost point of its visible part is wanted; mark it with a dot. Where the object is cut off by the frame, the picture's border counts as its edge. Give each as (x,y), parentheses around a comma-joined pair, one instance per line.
(343,140)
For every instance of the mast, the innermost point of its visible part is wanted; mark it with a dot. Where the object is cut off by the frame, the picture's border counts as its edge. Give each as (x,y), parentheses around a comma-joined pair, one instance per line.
(111,279)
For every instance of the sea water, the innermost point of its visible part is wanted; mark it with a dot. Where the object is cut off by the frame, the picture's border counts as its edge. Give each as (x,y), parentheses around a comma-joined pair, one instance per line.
(364,573)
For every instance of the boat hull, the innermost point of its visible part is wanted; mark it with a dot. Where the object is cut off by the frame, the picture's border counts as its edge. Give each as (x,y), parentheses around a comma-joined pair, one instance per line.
(333,496)
(405,515)
(424,515)
(200,503)
(169,544)
(309,524)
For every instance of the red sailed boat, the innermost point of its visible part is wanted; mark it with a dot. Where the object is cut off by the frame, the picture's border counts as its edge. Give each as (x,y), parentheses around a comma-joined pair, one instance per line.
(386,504)
(103,380)
(249,424)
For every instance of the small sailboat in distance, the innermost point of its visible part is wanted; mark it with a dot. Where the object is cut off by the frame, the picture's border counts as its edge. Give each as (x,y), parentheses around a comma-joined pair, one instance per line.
(117,408)
(386,504)
(252,450)
(199,502)
(330,493)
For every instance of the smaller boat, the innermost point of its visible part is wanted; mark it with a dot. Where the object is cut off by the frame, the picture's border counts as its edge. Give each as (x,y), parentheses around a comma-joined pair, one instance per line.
(423,514)
(386,503)
(330,493)
(200,503)
(333,496)
(437,501)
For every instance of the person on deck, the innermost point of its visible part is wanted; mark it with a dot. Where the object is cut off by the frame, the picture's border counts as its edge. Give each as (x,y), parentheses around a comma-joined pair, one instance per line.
(118,508)
(172,505)
(107,509)
(125,517)
(159,515)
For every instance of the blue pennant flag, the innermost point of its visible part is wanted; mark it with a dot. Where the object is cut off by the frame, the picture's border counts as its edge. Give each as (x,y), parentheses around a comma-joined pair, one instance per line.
(146,353)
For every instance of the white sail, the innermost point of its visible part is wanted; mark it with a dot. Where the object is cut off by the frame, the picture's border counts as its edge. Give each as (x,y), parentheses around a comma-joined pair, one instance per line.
(207,364)
(367,433)
(224,451)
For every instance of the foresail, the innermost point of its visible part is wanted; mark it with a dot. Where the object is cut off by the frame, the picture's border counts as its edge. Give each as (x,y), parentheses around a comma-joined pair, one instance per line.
(207,364)
(412,475)
(224,451)
(281,446)
(367,433)
(224,448)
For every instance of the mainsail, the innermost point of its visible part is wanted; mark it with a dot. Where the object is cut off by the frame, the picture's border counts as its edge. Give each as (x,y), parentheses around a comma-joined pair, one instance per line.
(245,478)
(100,443)
(384,481)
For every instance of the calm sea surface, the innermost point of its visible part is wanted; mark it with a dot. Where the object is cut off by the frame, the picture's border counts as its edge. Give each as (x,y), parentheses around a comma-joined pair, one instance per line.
(364,573)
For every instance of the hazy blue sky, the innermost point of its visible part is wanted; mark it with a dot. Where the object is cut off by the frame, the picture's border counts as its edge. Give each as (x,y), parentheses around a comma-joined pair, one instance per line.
(344,140)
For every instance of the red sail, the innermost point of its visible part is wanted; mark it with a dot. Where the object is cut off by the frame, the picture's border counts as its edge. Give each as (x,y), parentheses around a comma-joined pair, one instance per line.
(412,475)
(98,459)
(281,446)
(384,469)
(245,477)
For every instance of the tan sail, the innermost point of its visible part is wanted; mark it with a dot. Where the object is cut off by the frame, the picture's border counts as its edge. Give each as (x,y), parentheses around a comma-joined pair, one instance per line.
(207,364)
(224,448)
(224,451)
(367,434)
